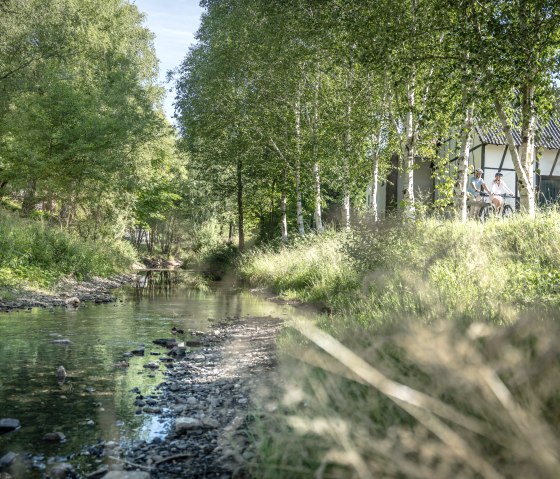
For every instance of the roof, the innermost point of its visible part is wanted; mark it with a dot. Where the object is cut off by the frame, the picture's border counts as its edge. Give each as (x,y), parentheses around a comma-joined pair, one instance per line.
(547,136)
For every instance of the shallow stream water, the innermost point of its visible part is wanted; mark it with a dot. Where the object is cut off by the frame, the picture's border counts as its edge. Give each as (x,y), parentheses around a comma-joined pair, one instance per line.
(95,402)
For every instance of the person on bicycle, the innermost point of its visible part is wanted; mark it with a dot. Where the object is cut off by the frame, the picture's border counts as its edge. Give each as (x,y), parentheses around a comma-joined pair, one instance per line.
(476,185)
(498,188)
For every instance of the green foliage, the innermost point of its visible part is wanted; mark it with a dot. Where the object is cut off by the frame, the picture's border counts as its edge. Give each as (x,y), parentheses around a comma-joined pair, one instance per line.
(79,105)
(310,269)
(35,254)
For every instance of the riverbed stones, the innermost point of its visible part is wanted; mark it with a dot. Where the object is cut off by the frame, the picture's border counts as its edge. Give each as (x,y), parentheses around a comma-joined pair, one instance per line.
(127,475)
(8,425)
(166,343)
(72,302)
(151,365)
(67,292)
(62,471)
(186,424)
(7,459)
(54,437)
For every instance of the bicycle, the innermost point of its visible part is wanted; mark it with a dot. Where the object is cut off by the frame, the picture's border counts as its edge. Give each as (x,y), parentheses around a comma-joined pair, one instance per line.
(488,210)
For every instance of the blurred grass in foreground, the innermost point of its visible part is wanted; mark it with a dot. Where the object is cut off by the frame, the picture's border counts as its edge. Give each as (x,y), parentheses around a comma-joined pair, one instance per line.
(440,357)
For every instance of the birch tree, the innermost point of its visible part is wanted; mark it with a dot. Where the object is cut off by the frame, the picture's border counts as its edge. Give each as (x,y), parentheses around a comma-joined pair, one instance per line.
(516,47)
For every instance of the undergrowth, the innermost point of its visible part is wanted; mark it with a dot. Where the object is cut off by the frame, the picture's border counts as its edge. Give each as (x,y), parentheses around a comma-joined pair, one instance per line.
(35,254)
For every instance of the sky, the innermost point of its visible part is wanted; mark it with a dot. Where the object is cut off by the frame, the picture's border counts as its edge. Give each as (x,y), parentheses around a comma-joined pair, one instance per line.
(174,23)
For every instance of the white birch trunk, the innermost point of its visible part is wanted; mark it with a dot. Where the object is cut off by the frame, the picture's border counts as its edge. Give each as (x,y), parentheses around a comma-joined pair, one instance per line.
(523,161)
(283,204)
(462,166)
(374,186)
(317,216)
(299,208)
(409,152)
(346,161)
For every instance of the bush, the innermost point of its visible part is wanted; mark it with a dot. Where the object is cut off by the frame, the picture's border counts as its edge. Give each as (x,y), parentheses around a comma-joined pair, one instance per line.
(34,253)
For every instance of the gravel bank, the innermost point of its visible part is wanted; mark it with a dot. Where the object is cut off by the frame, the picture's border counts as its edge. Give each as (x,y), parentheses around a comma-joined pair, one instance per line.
(68,293)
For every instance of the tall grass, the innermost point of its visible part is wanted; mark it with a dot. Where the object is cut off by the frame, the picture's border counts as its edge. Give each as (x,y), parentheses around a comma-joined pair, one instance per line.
(439,358)
(314,269)
(35,254)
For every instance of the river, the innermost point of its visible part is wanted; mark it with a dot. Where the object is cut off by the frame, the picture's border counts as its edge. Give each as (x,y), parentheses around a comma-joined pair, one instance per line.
(96,403)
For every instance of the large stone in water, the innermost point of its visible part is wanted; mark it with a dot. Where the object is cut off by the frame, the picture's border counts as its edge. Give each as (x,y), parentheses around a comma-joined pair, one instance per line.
(7,459)
(62,471)
(185,424)
(8,424)
(54,437)
(168,343)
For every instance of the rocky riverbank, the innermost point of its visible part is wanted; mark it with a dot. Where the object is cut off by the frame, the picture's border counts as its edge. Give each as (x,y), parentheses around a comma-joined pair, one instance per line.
(67,293)
(208,397)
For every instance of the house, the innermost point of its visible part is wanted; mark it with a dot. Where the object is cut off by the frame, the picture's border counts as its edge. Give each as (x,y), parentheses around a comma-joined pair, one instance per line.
(489,151)
(390,192)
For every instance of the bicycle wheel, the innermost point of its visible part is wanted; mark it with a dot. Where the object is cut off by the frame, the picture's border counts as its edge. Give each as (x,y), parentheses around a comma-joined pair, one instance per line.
(486,212)
(507,212)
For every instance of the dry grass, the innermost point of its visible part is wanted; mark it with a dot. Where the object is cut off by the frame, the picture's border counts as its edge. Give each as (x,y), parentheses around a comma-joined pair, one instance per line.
(420,401)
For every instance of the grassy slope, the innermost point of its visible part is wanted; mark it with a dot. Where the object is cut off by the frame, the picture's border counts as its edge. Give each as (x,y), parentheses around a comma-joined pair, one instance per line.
(36,255)
(435,312)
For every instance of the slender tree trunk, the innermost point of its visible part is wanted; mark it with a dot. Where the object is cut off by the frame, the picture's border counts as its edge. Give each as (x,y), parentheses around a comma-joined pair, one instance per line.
(283,207)
(299,208)
(28,202)
(463,164)
(230,234)
(346,161)
(241,231)
(523,161)
(317,216)
(409,151)
(374,185)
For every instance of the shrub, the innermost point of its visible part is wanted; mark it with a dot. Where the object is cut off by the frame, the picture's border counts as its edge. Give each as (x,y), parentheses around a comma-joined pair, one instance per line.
(37,254)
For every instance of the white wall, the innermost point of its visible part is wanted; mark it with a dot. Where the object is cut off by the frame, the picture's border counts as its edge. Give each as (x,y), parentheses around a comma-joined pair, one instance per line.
(546,161)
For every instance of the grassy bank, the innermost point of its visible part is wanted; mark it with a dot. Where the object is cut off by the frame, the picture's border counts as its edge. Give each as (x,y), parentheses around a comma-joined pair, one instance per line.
(36,255)
(440,357)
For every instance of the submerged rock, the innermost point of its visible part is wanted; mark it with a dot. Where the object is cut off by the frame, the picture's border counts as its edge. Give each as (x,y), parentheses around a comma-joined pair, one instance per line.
(73,302)
(7,459)
(168,343)
(62,470)
(54,437)
(60,374)
(8,425)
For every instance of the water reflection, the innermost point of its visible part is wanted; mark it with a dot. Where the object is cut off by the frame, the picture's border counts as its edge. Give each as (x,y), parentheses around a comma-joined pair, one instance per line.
(95,401)
(156,282)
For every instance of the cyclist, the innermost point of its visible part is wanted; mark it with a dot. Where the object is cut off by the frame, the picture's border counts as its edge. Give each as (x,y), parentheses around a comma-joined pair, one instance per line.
(477,184)
(499,187)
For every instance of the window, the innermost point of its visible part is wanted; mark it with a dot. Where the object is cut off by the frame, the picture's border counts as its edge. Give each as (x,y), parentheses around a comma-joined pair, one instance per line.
(549,191)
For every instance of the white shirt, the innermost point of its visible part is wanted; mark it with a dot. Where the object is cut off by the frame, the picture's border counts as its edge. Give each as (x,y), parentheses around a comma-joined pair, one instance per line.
(500,189)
